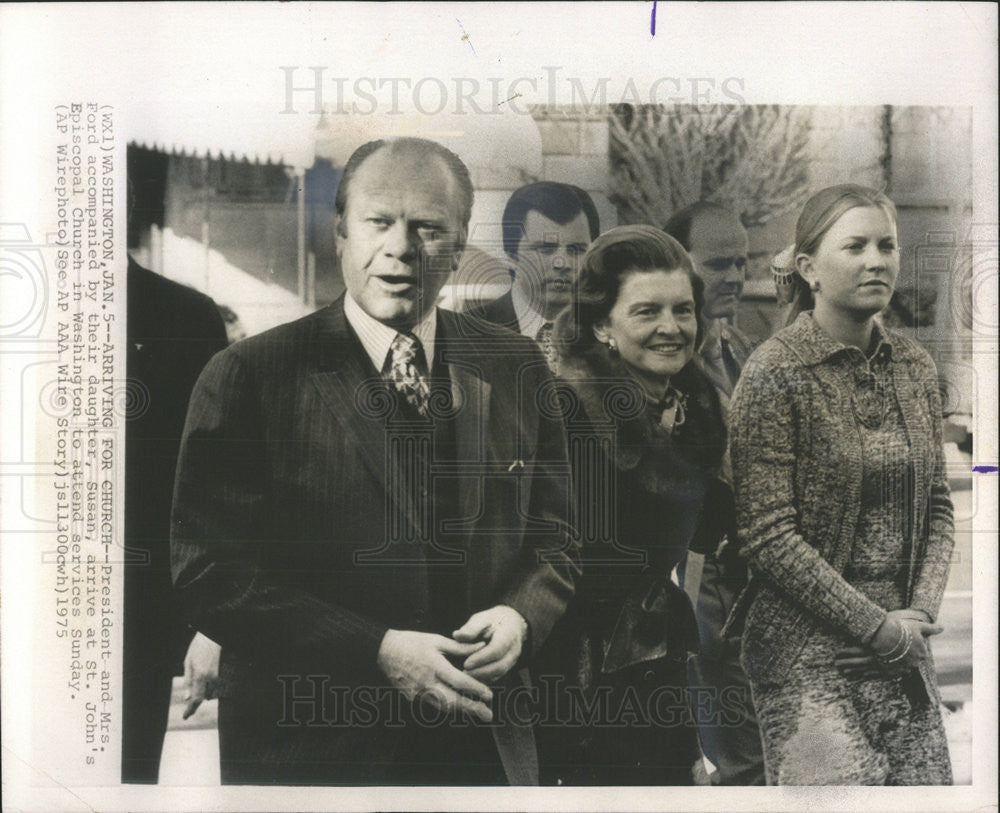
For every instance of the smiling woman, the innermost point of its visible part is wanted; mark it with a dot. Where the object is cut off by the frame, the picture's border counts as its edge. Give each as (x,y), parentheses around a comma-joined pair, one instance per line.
(652,325)
(645,426)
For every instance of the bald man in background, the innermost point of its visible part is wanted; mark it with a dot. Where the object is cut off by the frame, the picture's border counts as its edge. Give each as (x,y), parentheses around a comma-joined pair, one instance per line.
(718,245)
(713,576)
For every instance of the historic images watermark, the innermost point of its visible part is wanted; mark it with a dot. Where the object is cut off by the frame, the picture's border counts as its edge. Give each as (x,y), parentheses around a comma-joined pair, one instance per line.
(315,90)
(318,701)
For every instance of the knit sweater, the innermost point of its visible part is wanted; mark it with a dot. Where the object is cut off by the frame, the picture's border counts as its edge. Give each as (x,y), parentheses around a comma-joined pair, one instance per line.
(797,468)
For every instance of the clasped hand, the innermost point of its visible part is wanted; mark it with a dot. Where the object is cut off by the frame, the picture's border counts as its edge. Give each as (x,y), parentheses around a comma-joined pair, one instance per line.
(201,672)
(889,653)
(453,673)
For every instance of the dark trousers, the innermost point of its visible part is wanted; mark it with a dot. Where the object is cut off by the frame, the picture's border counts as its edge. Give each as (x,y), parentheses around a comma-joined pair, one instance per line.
(153,650)
(145,707)
(720,694)
(448,755)
(256,749)
(632,727)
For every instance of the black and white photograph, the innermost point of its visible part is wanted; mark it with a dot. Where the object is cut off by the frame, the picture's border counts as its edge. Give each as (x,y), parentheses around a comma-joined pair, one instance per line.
(530,406)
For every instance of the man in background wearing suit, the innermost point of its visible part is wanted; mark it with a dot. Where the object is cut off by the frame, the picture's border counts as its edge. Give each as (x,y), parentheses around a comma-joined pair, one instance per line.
(730,737)
(546,230)
(369,513)
(718,245)
(172,332)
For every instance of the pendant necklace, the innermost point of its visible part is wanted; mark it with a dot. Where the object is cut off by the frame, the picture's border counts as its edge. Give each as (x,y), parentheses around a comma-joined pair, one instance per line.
(672,409)
(870,396)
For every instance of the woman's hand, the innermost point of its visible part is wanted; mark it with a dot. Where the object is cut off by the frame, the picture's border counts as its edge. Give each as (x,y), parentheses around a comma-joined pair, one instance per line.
(897,646)
(916,615)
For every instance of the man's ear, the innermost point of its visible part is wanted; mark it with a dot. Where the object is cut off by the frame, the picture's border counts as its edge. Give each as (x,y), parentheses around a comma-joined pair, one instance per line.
(339,233)
(506,233)
(456,255)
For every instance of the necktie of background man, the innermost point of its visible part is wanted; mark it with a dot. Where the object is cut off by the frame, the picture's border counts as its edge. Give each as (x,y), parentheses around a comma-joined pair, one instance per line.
(544,339)
(729,362)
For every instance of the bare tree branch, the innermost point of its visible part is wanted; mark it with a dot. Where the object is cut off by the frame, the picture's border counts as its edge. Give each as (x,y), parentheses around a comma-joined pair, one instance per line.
(751,158)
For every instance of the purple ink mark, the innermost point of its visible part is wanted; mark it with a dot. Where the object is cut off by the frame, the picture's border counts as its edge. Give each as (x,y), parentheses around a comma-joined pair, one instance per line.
(466,37)
(652,21)
(985,469)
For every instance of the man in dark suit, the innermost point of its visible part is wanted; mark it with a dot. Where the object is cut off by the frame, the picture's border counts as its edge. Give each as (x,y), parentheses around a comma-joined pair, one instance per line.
(547,227)
(369,512)
(172,332)
(719,247)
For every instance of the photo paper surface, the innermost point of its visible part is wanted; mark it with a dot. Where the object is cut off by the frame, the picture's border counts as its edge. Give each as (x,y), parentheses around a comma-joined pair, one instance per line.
(206,144)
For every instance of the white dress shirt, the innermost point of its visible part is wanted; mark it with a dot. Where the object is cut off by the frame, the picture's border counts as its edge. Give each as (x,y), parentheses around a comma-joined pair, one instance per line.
(529,321)
(376,337)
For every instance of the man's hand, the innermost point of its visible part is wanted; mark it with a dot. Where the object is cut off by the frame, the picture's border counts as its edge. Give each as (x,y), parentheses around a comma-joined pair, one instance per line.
(504,630)
(417,663)
(201,672)
(863,662)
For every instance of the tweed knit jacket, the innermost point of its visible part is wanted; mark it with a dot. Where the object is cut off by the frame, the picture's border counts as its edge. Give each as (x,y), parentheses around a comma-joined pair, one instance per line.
(797,467)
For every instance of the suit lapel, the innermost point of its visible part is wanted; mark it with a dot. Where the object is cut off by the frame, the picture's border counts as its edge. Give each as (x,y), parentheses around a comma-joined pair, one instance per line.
(354,395)
(470,394)
(476,451)
(358,400)
(501,312)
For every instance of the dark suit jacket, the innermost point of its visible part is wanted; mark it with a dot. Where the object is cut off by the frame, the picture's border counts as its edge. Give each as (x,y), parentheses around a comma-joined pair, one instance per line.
(172,332)
(499,311)
(284,512)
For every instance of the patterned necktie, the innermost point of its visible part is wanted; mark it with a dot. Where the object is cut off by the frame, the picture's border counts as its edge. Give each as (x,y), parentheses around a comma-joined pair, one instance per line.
(729,363)
(407,371)
(544,339)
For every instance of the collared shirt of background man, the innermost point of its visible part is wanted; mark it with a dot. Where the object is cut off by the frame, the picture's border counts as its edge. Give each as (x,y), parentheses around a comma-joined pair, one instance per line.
(730,737)
(370,509)
(547,227)
(718,245)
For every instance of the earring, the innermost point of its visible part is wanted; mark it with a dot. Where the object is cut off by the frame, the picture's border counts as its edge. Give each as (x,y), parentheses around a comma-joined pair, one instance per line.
(814,285)
(612,346)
